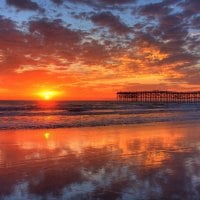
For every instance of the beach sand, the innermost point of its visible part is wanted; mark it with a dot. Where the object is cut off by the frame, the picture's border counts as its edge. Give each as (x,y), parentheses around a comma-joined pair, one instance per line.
(145,161)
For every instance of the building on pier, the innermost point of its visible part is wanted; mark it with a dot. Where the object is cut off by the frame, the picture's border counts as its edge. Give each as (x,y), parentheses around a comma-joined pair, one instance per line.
(159,96)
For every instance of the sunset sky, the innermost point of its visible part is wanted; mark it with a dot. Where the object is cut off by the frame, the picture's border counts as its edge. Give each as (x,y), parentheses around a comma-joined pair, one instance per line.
(90,49)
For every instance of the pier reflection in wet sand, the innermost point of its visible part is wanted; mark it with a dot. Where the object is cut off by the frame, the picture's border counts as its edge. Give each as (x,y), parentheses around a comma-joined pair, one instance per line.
(158,161)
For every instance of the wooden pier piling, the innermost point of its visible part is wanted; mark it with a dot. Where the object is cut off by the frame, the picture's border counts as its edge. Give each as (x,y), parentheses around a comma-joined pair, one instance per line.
(159,96)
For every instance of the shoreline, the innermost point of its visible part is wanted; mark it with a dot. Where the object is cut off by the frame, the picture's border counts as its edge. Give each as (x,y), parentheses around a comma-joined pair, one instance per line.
(57,160)
(144,124)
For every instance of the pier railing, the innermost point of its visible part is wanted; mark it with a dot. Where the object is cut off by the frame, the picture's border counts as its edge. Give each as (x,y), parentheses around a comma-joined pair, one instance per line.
(159,96)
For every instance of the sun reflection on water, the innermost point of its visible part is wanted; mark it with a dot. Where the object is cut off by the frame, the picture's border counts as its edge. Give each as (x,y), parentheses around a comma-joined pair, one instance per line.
(46,135)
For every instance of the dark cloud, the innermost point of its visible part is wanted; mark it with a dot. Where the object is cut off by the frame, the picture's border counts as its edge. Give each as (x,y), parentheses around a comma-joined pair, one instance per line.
(56,41)
(163,38)
(196,22)
(98,3)
(170,27)
(173,28)
(190,7)
(6,25)
(107,19)
(58,1)
(93,2)
(155,9)
(115,2)
(47,42)
(24,5)
(170,21)
(94,53)
(54,32)
(10,41)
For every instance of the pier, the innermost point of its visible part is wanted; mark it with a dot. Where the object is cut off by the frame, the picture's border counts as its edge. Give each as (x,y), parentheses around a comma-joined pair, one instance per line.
(159,96)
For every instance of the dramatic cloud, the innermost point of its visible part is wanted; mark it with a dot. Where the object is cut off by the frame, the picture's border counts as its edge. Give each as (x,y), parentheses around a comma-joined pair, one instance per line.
(114,4)
(103,42)
(107,19)
(46,43)
(54,32)
(175,34)
(58,1)
(92,2)
(24,4)
(10,40)
(154,9)
(191,7)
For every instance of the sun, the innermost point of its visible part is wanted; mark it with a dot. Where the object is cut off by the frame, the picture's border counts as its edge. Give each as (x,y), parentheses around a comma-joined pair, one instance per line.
(47,95)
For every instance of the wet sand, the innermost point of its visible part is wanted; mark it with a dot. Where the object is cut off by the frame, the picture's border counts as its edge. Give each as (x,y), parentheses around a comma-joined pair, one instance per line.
(146,161)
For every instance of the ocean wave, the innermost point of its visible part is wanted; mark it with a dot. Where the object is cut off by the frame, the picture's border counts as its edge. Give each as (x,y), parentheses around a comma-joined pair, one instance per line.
(30,115)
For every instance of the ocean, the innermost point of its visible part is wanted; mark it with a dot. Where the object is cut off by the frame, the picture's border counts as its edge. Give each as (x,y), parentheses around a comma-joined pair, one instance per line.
(66,114)
(99,150)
